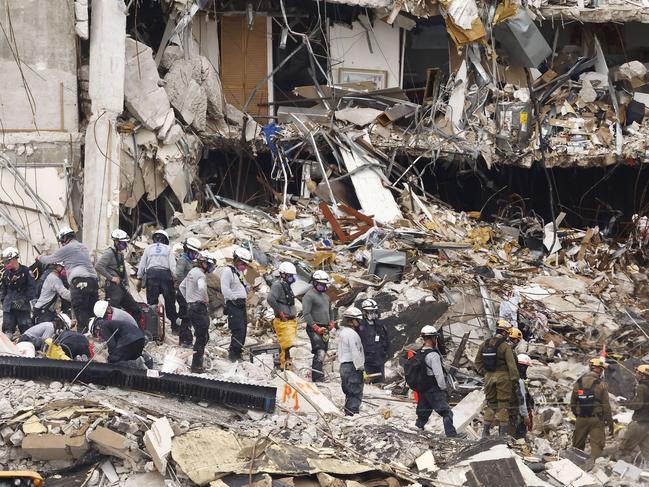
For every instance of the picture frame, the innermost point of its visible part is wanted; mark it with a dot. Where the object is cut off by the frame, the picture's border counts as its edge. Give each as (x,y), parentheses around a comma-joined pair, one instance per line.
(357,75)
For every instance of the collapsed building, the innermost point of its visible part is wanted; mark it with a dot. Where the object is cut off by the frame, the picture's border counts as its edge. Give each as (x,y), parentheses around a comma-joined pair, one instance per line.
(339,134)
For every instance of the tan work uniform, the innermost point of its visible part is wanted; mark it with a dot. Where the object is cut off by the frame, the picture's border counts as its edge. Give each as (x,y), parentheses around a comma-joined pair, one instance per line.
(498,385)
(591,421)
(637,433)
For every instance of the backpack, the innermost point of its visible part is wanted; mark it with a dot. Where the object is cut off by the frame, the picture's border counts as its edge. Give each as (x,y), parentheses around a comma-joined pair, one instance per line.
(586,398)
(489,353)
(415,369)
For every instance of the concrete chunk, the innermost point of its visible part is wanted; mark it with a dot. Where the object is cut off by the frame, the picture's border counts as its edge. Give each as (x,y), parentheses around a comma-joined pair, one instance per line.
(110,443)
(55,447)
(158,443)
(567,473)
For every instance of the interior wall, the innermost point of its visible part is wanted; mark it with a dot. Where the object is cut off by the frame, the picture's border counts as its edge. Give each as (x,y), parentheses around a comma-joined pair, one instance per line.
(350,49)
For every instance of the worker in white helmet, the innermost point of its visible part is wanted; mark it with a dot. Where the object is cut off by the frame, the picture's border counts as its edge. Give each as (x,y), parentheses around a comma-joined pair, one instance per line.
(523,403)
(112,268)
(81,274)
(191,250)
(374,336)
(282,300)
(52,290)
(352,360)
(235,292)
(319,317)
(17,289)
(156,273)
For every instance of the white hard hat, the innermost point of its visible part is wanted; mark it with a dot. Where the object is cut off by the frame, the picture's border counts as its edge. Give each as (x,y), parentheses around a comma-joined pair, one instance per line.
(353,313)
(161,232)
(428,330)
(100,308)
(524,359)
(10,253)
(320,276)
(64,232)
(26,349)
(287,268)
(205,256)
(192,243)
(67,322)
(242,254)
(369,305)
(120,235)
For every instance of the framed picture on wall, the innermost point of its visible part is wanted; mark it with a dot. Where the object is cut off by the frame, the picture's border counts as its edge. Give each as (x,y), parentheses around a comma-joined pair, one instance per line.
(354,75)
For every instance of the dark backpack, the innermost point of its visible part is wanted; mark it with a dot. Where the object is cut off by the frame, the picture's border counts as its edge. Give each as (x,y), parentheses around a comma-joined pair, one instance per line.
(489,353)
(415,369)
(586,398)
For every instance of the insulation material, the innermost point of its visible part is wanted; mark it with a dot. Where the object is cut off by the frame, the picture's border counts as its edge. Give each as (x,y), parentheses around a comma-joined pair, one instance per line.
(375,199)
(463,22)
(455,109)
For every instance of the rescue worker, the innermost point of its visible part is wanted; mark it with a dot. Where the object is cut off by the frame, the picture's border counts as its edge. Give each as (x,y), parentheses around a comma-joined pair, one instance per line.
(435,396)
(84,285)
(496,362)
(235,292)
(521,412)
(191,248)
(105,311)
(375,341)
(74,344)
(637,433)
(282,300)
(17,289)
(352,360)
(319,317)
(590,405)
(112,268)
(124,340)
(194,290)
(40,332)
(52,290)
(514,337)
(156,273)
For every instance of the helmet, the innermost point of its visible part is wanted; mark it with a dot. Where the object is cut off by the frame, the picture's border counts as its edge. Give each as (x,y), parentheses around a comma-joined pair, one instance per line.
(515,334)
(369,305)
(65,319)
(100,308)
(643,369)
(242,254)
(120,235)
(9,253)
(503,325)
(63,233)
(320,276)
(428,330)
(193,243)
(287,268)
(353,313)
(206,257)
(597,362)
(160,235)
(524,359)
(93,326)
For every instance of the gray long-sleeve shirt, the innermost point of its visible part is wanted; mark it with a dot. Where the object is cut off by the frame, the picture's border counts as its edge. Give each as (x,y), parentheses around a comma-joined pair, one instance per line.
(52,287)
(183,266)
(316,308)
(350,348)
(434,367)
(194,287)
(75,258)
(231,286)
(107,265)
(43,330)
(277,299)
(159,256)
(121,315)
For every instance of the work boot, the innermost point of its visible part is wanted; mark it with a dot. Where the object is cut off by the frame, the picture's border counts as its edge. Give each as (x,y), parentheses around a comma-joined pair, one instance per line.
(486,429)
(503,430)
(198,369)
(175,330)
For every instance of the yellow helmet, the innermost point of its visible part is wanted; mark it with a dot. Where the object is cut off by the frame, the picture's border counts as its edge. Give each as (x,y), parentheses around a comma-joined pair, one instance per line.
(597,362)
(515,334)
(503,325)
(643,369)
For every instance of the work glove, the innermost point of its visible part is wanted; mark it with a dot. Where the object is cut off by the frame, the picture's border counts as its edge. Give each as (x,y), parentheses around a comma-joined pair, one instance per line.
(318,330)
(332,325)
(366,378)
(115,280)
(620,398)
(282,316)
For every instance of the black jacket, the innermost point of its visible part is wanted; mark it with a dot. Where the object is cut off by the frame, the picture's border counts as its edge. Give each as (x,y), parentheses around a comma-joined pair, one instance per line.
(17,289)
(125,333)
(375,342)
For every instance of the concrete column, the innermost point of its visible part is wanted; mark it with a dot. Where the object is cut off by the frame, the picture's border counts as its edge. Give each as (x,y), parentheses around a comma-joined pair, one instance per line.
(106,89)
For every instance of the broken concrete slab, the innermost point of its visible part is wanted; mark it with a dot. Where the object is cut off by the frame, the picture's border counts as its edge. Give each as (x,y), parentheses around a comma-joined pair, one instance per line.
(303,397)
(54,447)
(567,473)
(158,443)
(110,443)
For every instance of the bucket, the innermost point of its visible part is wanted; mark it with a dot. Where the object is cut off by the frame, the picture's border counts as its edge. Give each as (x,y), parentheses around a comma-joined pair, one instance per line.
(26,349)
(172,364)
